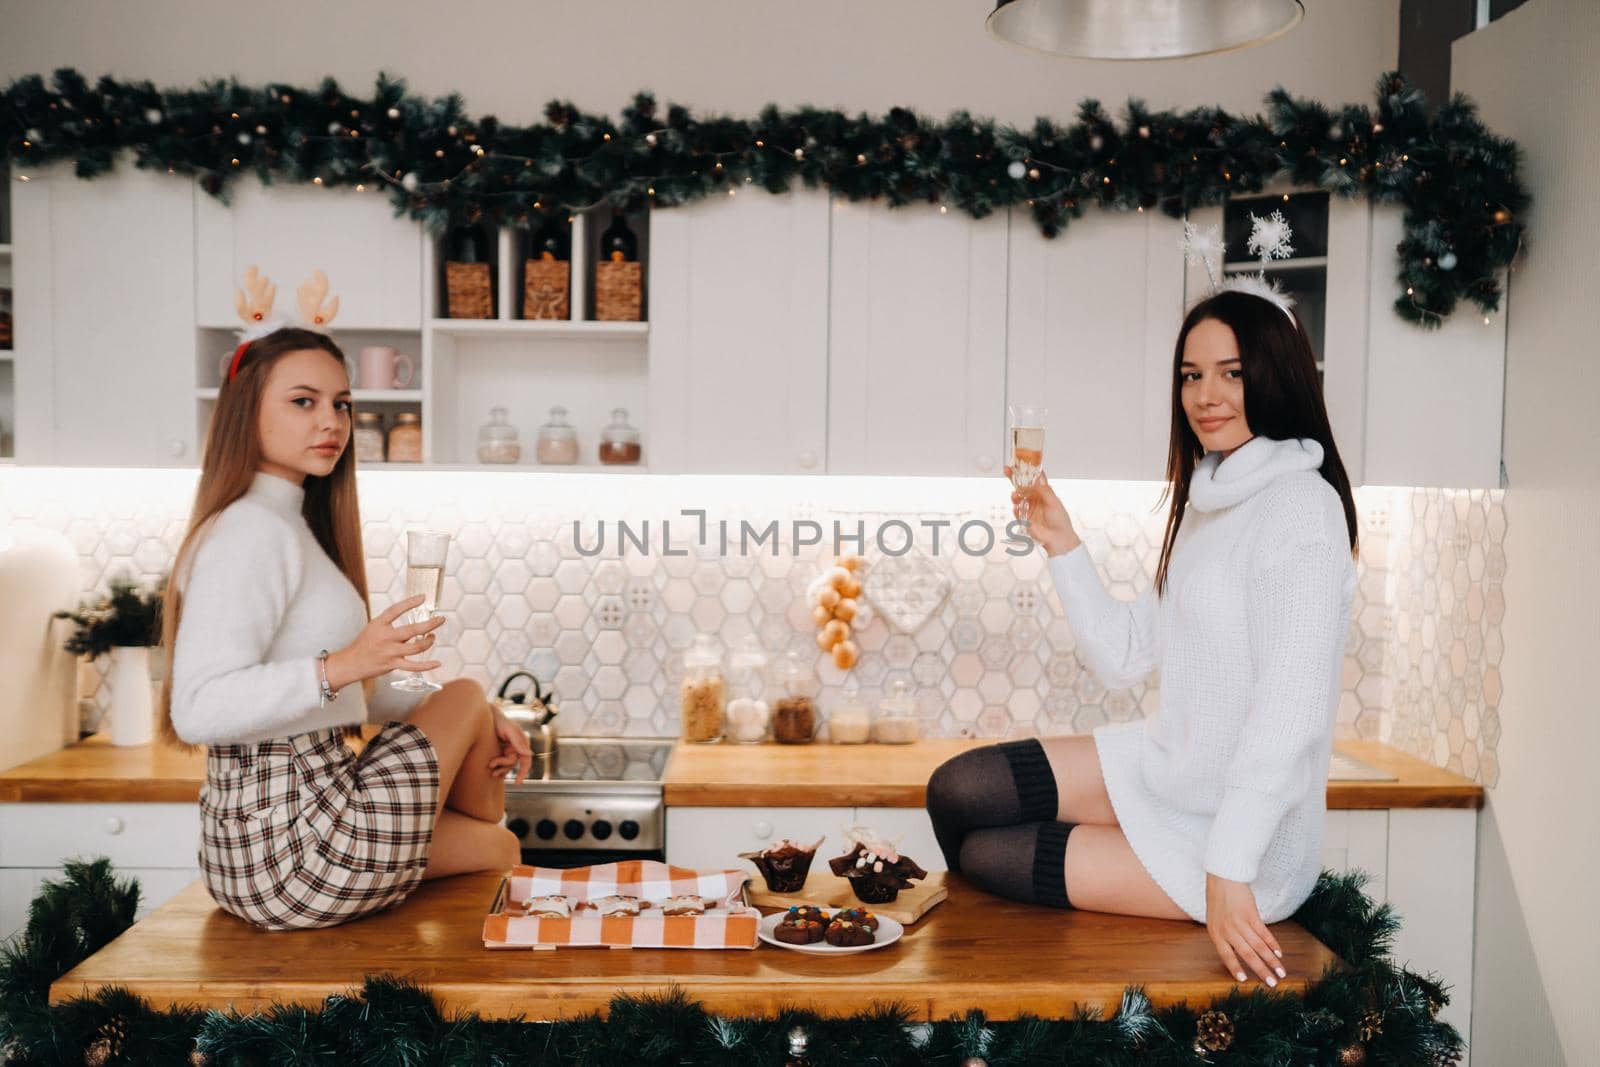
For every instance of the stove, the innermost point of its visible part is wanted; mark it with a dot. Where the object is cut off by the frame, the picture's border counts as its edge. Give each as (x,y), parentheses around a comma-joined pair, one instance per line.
(600,801)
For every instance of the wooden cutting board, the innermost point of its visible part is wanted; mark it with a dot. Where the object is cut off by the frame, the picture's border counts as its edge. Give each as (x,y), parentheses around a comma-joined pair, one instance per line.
(827,890)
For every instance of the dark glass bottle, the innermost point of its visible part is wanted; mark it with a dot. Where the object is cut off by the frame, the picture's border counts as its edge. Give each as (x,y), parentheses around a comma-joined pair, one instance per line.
(468,244)
(547,239)
(619,243)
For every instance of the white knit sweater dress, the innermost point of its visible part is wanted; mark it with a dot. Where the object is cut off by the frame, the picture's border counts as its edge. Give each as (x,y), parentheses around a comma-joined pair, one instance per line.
(1229,775)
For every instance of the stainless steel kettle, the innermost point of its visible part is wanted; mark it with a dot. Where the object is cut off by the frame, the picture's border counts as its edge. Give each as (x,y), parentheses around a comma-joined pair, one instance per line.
(534,711)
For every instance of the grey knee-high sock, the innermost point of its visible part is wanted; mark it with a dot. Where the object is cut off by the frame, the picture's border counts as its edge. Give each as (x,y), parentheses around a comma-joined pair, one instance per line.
(998,785)
(1026,862)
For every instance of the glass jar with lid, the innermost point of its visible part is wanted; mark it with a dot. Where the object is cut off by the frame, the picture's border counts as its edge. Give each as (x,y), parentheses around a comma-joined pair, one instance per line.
(558,441)
(701,693)
(405,438)
(897,722)
(794,708)
(368,437)
(497,439)
(749,715)
(850,720)
(619,442)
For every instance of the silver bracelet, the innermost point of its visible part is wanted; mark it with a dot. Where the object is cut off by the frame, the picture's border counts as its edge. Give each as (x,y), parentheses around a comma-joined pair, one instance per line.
(328,695)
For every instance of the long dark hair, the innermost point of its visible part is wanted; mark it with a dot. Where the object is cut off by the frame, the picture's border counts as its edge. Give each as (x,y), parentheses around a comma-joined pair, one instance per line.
(1282,400)
(228,467)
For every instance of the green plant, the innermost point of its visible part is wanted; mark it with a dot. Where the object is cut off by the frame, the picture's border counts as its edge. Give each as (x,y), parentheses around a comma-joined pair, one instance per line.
(127,617)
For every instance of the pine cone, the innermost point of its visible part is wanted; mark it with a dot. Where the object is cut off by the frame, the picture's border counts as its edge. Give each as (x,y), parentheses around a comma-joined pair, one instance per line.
(1352,1056)
(1371,1026)
(1213,1032)
(107,1043)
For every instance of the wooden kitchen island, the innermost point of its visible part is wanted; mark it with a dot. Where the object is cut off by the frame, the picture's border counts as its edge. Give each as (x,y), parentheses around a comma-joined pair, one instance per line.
(972,951)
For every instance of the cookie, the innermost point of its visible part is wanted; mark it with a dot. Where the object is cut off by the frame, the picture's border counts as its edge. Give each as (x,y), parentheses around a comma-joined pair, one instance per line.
(860,916)
(614,905)
(843,933)
(806,911)
(799,932)
(553,907)
(683,905)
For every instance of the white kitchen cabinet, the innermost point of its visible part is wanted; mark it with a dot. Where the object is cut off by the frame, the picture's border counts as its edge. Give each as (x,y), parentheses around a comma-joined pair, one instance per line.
(739,335)
(154,843)
(104,281)
(916,341)
(1091,321)
(712,838)
(372,259)
(1435,399)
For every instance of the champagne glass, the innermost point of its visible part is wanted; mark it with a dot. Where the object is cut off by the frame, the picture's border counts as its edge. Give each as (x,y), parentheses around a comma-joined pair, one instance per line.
(1027,450)
(425,552)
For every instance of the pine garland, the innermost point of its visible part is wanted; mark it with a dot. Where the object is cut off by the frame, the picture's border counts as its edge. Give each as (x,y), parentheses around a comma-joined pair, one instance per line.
(1373,1012)
(1460,186)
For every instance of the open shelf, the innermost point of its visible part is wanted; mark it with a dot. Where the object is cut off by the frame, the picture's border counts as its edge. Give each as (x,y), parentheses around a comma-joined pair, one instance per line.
(540,327)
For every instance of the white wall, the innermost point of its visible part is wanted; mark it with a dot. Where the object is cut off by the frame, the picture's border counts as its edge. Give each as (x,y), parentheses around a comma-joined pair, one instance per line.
(1533,74)
(510,56)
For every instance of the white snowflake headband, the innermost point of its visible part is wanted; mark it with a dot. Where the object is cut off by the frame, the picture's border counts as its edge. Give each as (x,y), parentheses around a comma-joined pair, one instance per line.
(1269,240)
(254,305)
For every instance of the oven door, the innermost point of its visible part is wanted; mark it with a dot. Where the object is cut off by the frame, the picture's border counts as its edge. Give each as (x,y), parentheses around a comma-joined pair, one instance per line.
(583,857)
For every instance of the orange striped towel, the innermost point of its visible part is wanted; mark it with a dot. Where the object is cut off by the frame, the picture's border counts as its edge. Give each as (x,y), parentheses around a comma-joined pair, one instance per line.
(726,923)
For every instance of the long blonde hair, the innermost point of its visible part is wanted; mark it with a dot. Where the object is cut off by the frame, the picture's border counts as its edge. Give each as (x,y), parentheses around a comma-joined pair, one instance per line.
(227,468)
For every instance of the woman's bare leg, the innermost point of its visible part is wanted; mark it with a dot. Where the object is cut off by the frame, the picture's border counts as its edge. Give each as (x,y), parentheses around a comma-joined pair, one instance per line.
(1080,787)
(462,844)
(1103,874)
(460,726)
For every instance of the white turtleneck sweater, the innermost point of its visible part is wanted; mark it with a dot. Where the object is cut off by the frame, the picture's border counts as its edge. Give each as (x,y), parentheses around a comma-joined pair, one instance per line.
(260,600)
(1229,776)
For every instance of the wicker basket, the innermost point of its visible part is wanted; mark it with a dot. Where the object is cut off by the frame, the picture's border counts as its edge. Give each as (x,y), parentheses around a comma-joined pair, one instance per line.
(544,289)
(468,291)
(618,291)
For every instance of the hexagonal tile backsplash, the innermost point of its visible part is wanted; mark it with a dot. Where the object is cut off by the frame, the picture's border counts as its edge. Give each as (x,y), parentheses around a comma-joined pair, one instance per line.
(995,658)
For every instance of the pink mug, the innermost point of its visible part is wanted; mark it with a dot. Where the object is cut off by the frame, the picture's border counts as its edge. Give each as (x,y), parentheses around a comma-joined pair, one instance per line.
(380,367)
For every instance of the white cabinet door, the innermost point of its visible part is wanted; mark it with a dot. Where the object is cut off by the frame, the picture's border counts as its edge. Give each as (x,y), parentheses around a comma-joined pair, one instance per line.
(1435,398)
(916,341)
(739,335)
(712,838)
(372,259)
(105,319)
(1092,319)
(1345,329)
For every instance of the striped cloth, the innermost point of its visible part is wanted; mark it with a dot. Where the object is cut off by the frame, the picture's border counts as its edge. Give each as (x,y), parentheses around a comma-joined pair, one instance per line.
(726,923)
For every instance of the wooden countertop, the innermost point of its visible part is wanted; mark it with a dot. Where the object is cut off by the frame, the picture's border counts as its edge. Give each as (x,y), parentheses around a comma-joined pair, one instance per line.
(724,775)
(96,770)
(973,951)
(896,776)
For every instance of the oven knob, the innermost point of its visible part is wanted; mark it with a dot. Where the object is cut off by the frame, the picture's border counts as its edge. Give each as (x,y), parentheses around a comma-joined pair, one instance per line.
(629,829)
(518,827)
(546,829)
(601,829)
(573,829)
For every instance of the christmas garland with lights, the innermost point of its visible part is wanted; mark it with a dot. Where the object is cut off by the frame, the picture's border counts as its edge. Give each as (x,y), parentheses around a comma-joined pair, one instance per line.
(1371,1013)
(1458,182)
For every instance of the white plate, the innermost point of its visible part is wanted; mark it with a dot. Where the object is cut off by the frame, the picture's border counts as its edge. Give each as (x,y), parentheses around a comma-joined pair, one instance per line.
(889,932)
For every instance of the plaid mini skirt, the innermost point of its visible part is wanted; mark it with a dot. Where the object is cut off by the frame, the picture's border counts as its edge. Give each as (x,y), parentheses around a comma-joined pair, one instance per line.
(302,832)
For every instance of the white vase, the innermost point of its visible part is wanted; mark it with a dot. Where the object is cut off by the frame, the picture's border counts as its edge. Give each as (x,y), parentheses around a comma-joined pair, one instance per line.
(130,720)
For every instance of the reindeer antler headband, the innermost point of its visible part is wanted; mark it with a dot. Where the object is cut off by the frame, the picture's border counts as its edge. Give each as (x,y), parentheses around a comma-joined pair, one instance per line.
(254,305)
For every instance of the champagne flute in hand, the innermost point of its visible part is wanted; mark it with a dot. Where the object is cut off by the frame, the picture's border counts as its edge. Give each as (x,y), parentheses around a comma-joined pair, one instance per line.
(425,554)
(1027,450)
